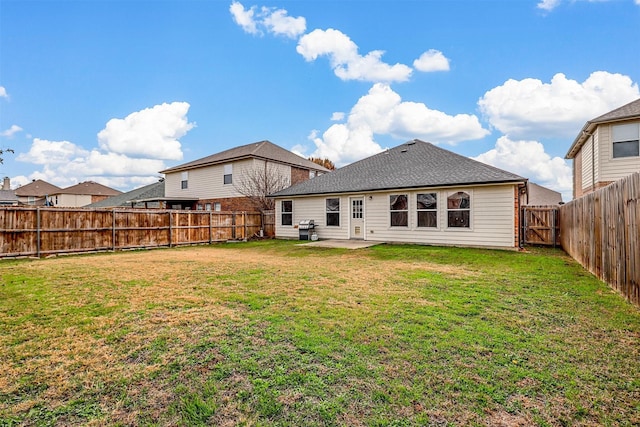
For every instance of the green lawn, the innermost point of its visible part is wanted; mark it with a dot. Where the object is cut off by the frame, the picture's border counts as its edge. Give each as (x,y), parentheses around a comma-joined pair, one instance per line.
(274,334)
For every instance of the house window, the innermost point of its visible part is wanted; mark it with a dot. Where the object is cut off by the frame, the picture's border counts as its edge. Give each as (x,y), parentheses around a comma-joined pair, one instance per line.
(333,212)
(207,206)
(287,212)
(228,174)
(458,210)
(356,209)
(217,207)
(31,200)
(184,180)
(312,174)
(200,207)
(427,206)
(399,209)
(626,140)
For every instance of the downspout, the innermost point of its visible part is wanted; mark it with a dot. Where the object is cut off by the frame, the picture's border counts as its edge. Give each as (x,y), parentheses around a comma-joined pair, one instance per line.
(593,163)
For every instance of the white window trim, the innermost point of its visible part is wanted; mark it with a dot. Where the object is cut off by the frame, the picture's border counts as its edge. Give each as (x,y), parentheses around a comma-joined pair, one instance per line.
(612,142)
(408,210)
(446,211)
(283,212)
(438,211)
(339,212)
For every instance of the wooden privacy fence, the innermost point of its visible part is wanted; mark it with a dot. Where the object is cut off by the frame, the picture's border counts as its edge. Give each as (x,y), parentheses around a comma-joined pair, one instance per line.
(541,225)
(601,231)
(45,231)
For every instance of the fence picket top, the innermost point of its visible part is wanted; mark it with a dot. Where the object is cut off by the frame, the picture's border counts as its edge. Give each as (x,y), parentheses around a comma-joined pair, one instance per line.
(49,230)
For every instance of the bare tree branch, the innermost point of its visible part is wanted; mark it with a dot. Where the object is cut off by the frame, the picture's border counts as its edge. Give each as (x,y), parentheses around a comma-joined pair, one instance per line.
(256,184)
(2,151)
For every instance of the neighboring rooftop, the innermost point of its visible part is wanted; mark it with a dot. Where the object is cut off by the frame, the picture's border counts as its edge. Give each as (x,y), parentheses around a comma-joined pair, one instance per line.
(414,164)
(151,191)
(542,196)
(37,188)
(626,112)
(8,197)
(89,188)
(261,150)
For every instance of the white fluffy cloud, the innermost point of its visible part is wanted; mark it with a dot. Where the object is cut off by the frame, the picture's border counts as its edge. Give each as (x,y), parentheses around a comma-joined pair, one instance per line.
(244,17)
(3,92)
(345,60)
(382,112)
(150,133)
(279,23)
(65,163)
(432,60)
(274,21)
(529,159)
(549,5)
(131,150)
(44,152)
(337,116)
(11,131)
(530,108)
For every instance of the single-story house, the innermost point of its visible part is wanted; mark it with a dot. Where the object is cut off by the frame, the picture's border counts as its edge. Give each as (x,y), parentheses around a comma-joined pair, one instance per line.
(414,193)
(82,194)
(606,149)
(7,195)
(147,197)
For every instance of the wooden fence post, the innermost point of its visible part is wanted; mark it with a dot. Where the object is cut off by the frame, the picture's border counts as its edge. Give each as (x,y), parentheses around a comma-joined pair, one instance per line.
(38,236)
(246,230)
(113,230)
(170,229)
(210,227)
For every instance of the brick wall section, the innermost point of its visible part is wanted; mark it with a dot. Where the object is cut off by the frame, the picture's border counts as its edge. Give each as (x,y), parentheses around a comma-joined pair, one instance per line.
(298,175)
(96,198)
(231,204)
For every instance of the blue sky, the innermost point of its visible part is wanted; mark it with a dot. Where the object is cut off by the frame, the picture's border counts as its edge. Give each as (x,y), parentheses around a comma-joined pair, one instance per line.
(115,91)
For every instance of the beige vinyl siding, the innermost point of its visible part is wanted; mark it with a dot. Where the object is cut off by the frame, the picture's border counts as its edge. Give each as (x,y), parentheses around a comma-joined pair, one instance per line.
(72,200)
(208,182)
(492,218)
(614,169)
(314,208)
(588,167)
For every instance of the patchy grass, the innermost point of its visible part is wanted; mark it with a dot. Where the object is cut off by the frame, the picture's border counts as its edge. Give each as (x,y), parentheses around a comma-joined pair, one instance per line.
(274,334)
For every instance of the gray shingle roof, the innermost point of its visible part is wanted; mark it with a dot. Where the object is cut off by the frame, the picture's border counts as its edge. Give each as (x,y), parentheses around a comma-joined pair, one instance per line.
(414,164)
(262,150)
(627,111)
(151,191)
(8,196)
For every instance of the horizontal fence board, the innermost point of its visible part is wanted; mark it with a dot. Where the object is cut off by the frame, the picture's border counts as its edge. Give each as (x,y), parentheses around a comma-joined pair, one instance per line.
(42,231)
(600,230)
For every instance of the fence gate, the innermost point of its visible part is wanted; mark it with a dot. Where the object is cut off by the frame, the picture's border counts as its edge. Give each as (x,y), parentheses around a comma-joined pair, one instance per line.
(541,225)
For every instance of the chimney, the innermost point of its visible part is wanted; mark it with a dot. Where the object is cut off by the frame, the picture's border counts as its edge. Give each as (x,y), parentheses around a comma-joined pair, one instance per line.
(6,184)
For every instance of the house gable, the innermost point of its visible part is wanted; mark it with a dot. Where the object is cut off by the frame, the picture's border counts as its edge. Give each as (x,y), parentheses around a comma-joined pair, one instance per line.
(594,163)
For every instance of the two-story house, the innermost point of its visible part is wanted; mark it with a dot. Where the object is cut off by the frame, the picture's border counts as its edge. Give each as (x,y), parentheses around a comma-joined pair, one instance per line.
(229,180)
(606,149)
(36,193)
